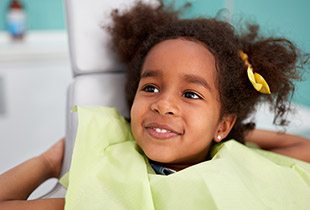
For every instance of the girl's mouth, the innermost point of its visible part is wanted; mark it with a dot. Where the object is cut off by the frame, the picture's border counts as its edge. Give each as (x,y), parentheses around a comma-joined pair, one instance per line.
(159,130)
(163,132)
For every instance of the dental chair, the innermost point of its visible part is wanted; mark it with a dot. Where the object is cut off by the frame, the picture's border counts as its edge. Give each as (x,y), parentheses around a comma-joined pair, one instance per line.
(98,77)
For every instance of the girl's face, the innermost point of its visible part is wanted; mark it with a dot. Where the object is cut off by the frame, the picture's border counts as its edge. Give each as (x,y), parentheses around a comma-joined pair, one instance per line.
(176,112)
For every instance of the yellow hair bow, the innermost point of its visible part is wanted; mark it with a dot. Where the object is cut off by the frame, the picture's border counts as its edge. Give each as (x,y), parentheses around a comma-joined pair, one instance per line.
(257,80)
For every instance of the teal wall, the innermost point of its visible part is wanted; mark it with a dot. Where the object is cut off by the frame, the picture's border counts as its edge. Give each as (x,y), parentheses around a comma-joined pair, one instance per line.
(41,14)
(277,17)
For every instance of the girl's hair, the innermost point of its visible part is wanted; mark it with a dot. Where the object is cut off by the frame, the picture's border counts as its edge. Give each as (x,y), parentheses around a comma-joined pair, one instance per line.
(136,31)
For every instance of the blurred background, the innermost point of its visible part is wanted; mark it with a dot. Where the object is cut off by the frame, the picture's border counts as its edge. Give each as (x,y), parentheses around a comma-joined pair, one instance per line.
(35,67)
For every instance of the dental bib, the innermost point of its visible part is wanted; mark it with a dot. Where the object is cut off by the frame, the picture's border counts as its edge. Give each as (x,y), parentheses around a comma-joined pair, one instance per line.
(109,171)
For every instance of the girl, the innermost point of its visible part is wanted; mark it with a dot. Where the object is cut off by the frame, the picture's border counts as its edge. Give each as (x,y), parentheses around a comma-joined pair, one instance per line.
(191,84)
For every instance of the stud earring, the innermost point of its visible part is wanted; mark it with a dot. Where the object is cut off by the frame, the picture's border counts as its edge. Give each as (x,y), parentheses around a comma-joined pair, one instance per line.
(219,138)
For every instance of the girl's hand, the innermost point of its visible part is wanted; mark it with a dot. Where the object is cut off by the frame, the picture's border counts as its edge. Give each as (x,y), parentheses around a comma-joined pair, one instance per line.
(54,157)
(286,144)
(19,182)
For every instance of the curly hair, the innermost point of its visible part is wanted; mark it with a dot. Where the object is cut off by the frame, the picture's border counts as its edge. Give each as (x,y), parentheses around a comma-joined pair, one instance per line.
(137,30)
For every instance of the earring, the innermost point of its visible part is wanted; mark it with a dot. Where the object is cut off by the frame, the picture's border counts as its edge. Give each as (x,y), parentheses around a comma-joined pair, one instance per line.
(219,138)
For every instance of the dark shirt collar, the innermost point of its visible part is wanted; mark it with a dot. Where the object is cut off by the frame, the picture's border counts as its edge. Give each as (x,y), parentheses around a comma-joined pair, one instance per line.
(161,169)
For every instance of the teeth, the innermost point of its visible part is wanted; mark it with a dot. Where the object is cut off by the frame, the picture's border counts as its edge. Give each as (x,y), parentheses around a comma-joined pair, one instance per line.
(159,130)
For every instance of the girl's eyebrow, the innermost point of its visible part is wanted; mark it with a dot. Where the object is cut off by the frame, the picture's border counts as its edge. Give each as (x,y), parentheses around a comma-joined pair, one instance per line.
(150,73)
(190,78)
(196,79)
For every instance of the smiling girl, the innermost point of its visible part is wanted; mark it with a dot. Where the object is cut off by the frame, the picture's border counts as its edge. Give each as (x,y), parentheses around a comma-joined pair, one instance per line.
(192,84)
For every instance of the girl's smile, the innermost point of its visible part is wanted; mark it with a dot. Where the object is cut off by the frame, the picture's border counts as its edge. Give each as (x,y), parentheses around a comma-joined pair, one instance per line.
(161,131)
(176,111)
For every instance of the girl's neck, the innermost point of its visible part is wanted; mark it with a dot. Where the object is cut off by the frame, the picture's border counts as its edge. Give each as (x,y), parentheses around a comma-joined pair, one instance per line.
(174,167)
(182,165)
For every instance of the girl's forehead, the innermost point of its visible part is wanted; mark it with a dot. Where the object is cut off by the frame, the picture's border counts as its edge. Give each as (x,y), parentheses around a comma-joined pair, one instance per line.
(183,54)
(181,43)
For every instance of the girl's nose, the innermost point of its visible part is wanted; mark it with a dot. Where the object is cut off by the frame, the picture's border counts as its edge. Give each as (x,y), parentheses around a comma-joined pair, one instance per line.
(165,106)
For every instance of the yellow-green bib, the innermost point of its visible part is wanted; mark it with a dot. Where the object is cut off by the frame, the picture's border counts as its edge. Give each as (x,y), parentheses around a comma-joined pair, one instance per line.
(109,172)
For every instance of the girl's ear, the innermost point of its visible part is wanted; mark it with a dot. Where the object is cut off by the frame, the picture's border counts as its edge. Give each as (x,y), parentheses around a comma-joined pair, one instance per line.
(224,127)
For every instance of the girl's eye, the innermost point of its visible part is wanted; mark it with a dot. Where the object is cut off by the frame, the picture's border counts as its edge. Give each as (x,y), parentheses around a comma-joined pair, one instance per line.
(191,95)
(150,89)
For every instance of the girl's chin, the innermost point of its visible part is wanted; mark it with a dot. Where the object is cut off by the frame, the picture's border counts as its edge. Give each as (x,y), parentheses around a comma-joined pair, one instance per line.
(160,158)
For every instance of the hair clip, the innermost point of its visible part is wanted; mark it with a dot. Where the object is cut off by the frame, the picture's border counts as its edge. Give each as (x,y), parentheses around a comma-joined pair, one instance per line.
(257,80)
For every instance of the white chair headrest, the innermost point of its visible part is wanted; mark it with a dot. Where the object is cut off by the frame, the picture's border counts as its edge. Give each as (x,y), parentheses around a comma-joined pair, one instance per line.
(89,42)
